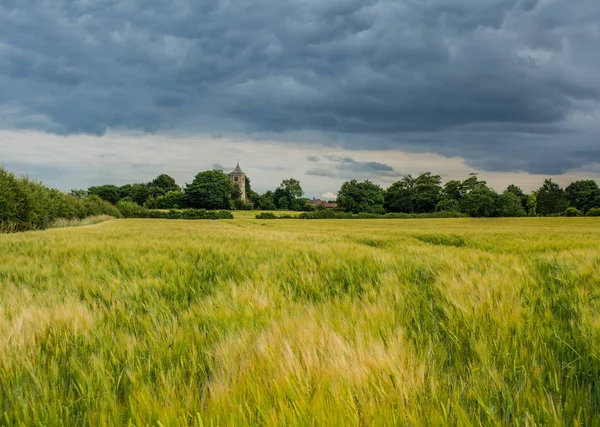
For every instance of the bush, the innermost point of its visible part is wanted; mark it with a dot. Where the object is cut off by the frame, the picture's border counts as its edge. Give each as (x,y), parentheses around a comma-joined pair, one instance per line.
(593,212)
(572,212)
(132,210)
(266,215)
(29,205)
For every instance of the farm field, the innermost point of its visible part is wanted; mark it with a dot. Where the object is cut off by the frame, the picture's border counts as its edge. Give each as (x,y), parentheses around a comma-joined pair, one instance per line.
(290,322)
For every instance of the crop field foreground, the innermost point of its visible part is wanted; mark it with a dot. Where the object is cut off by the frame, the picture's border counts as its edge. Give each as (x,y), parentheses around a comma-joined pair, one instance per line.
(291,322)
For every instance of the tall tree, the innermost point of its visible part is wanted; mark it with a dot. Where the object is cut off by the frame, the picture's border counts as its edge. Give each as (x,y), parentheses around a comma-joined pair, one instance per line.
(427,193)
(359,197)
(583,194)
(398,197)
(166,182)
(139,193)
(288,195)
(208,190)
(480,201)
(550,198)
(510,204)
(453,190)
(109,193)
(517,191)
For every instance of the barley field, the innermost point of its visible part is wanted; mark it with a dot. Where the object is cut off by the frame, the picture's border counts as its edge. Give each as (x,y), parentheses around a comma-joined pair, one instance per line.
(291,322)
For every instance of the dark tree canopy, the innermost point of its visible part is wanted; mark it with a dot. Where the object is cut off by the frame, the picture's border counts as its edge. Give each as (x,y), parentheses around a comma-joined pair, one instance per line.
(479,201)
(165,182)
(109,193)
(551,198)
(414,195)
(359,197)
(510,204)
(209,190)
(583,195)
(288,195)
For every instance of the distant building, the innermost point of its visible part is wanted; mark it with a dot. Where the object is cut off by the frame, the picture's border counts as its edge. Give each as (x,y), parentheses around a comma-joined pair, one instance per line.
(326,205)
(238,178)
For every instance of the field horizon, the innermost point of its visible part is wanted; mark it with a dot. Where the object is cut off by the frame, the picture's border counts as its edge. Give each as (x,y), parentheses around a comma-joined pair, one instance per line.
(290,322)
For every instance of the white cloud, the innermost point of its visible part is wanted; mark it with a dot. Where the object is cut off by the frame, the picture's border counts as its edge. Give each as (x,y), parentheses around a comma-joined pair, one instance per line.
(328,196)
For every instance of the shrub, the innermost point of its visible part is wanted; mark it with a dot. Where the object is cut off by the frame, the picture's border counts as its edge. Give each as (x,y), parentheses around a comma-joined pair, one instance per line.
(572,212)
(132,210)
(593,212)
(29,205)
(266,215)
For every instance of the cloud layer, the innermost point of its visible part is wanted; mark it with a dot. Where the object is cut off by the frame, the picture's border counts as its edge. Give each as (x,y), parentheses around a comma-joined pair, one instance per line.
(505,84)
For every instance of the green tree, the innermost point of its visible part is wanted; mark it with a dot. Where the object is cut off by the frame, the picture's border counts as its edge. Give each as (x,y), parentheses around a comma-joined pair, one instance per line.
(398,197)
(427,192)
(80,194)
(266,201)
(171,200)
(448,205)
(510,204)
(288,195)
(550,198)
(139,193)
(480,201)
(517,191)
(236,201)
(209,190)
(583,195)
(165,182)
(109,192)
(453,190)
(531,206)
(251,195)
(359,197)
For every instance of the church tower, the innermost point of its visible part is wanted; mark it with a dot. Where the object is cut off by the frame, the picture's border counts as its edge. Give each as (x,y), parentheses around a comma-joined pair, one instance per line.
(238,178)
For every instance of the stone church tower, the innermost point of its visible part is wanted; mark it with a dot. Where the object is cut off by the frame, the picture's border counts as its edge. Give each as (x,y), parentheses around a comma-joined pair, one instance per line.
(238,178)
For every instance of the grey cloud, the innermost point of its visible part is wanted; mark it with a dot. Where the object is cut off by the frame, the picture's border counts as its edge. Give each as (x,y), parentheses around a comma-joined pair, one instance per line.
(497,82)
(313,158)
(349,168)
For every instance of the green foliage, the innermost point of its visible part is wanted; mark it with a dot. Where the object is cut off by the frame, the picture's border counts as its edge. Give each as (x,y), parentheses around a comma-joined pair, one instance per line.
(447,205)
(236,201)
(29,205)
(550,198)
(593,212)
(571,211)
(132,210)
(479,200)
(511,205)
(110,193)
(288,195)
(266,215)
(414,195)
(209,190)
(583,195)
(364,196)
(166,183)
(531,205)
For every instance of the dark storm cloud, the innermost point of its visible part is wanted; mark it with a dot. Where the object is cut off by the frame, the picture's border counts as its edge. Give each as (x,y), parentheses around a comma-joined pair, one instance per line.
(505,84)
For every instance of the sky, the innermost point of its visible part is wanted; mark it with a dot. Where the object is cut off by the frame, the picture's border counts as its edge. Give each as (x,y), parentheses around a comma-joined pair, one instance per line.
(119,91)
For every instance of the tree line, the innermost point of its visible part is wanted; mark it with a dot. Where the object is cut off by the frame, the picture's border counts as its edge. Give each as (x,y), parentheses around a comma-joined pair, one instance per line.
(209,190)
(425,194)
(28,205)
